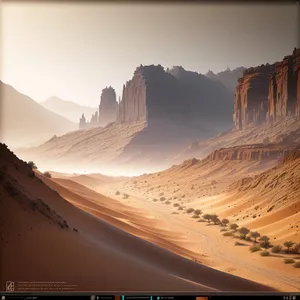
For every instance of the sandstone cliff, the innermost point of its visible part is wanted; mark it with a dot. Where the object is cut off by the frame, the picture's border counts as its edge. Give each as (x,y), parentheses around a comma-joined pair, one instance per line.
(251,97)
(108,106)
(175,96)
(258,152)
(268,93)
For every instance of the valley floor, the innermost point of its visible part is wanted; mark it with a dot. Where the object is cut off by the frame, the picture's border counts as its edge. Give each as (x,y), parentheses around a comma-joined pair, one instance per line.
(176,231)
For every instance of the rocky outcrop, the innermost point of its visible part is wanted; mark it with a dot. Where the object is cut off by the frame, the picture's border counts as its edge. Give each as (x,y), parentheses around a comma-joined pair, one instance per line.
(268,93)
(251,97)
(253,152)
(284,88)
(176,96)
(82,122)
(108,106)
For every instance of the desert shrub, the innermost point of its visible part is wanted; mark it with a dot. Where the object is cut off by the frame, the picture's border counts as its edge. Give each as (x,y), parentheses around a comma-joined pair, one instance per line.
(223,230)
(198,212)
(264,241)
(32,165)
(288,245)
(276,249)
(47,174)
(289,261)
(161,194)
(265,253)
(162,198)
(189,210)
(238,244)
(234,227)
(155,200)
(118,193)
(195,217)
(125,196)
(180,208)
(297,264)
(225,222)
(254,248)
(228,233)
(74,229)
(176,204)
(207,217)
(215,219)
(244,231)
(168,202)
(255,235)
(296,248)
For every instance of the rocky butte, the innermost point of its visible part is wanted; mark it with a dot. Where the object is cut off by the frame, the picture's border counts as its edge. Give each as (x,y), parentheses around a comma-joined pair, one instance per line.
(107,112)
(268,93)
(175,96)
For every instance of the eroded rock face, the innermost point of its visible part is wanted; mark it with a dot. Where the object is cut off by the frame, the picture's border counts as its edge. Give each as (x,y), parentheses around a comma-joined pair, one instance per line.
(284,89)
(268,92)
(108,106)
(174,96)
(251,97)
(253,152)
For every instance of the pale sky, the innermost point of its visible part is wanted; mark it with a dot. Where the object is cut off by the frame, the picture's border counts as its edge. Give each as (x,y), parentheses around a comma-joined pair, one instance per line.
(74,50)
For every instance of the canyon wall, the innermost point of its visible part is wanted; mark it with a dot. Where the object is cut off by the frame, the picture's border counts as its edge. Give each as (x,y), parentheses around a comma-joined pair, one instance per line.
(268,93)
(175,96)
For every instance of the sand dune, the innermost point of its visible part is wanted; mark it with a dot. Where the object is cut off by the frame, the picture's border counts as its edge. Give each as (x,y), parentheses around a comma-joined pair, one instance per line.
(96,257)
(235,189)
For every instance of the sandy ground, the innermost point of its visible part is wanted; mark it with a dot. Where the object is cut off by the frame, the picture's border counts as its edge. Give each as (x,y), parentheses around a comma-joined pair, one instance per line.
(163,224)
(105,252)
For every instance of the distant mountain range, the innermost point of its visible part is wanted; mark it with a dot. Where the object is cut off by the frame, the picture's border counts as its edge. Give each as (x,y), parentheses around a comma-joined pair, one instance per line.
(24,122)
(68,109)
(229,78)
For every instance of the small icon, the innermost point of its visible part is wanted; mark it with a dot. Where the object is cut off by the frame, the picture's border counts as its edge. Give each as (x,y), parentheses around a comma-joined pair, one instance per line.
(10,286)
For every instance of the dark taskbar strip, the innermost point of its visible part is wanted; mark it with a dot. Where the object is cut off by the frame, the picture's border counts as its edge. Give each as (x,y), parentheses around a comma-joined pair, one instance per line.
(10,296)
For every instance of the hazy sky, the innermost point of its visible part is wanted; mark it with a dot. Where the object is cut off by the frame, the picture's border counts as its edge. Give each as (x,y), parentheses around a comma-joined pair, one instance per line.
(74,50)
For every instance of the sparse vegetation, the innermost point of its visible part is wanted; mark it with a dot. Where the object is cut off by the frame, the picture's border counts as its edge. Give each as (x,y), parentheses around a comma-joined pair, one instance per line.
(296,248)
(189,210)
(32,165)
(74,229)
(180,208)
(195,217)
(118,193)
(228,233)
(168,202)
(47,174)
(234,227)
(255,235)
(289,261)
(215,219)
(297,264)
(238,244)
(162,198)
(176,204)
(198,212)
(276,249)
(244,231)
(288,245)
(255,248)
(207,217)
(125,196)
(264,242)
(155,200)
(224,230)
(265,253)
(225,222)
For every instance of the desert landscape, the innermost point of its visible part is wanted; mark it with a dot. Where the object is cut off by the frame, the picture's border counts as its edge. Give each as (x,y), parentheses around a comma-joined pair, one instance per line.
(182,181)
